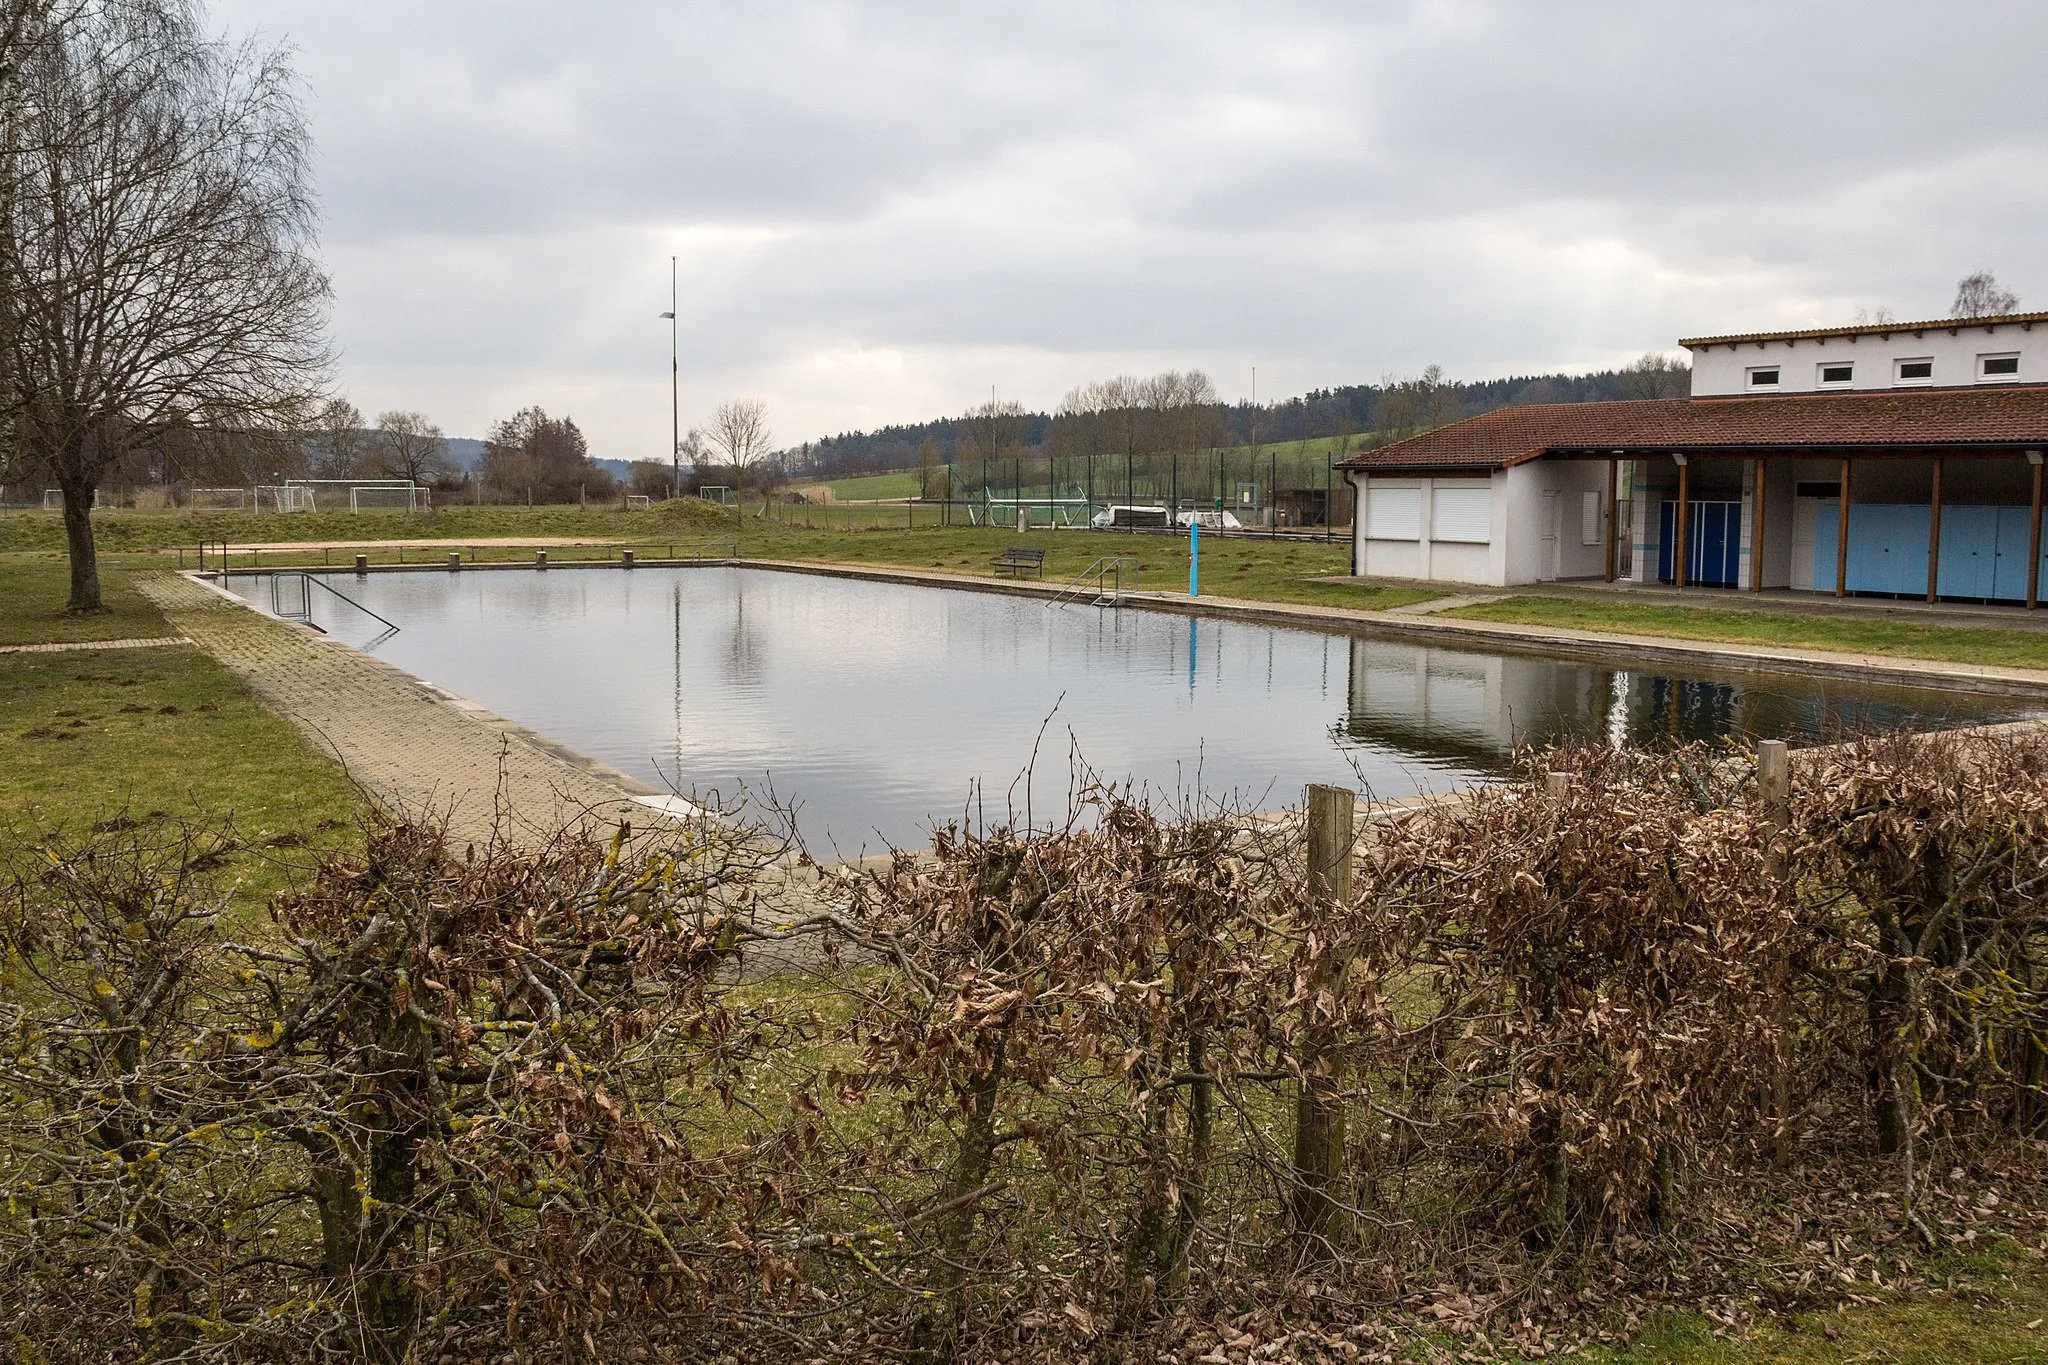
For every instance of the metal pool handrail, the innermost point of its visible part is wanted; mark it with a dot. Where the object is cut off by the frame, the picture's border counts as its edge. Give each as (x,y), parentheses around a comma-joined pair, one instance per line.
(319,581)
(1106,576)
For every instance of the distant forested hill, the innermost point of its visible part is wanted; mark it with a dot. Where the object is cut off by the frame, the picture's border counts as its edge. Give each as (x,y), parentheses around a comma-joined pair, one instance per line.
(1354,408)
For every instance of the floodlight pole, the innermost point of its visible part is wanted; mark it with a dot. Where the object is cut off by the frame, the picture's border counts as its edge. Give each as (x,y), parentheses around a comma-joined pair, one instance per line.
(675,399)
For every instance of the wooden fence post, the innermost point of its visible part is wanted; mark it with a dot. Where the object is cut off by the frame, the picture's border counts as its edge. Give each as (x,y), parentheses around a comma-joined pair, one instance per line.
(1774,797)
(1319,1110)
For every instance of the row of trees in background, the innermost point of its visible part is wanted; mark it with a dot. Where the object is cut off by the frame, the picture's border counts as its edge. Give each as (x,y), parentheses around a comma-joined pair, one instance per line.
(403,445)
(1370,412)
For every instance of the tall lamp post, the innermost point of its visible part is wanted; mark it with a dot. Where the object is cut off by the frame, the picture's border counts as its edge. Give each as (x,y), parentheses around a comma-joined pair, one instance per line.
(675,402)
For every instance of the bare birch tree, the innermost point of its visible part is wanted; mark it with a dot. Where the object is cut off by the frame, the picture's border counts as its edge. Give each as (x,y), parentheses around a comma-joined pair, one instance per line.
(408,446)
(739,431)
(156,248)
(1979,295)
(337,440)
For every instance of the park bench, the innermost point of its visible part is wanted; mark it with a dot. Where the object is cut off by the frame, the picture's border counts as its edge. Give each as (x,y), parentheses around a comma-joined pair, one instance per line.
(1019,563)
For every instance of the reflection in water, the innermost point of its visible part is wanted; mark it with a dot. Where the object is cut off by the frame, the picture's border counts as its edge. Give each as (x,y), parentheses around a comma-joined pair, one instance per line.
(880,706)
(1457,706)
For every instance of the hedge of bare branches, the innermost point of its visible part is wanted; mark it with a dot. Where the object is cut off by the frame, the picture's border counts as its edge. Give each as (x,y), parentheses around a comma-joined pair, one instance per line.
(1040,1094)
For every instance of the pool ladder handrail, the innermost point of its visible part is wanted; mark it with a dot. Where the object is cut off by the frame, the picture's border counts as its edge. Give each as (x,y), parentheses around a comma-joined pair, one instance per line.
(1106,576)
(305,612)
(728,550)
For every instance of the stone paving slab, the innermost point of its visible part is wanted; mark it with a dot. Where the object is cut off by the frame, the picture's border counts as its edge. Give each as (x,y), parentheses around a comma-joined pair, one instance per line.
(413,749)
(418,750)
(68,646)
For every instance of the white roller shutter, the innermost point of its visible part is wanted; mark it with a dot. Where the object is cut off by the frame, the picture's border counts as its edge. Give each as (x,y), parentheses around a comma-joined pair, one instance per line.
(1462,512)
(1394,514)
(1590,527)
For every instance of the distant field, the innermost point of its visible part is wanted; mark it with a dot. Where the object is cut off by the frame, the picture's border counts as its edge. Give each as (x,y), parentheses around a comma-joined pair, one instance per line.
(901,483)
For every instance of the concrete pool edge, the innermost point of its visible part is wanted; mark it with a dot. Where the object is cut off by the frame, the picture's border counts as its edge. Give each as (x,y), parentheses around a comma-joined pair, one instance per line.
(606,784)
(1548,641)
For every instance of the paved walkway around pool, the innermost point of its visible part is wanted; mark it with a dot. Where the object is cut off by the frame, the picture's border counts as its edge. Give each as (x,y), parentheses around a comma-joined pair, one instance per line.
(419,751)
(414,749)
(65,646)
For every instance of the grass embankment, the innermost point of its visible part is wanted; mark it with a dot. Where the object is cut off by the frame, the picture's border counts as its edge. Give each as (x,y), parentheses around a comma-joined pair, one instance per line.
(899,483)
(1963,644)
(151,735)
(1242,567)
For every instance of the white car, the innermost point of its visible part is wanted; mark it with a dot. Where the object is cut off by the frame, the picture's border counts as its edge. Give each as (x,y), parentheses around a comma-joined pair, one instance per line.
(1112,518)
(1210,521)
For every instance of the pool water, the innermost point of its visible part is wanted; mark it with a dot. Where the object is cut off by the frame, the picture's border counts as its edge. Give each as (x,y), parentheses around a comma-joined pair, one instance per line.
(880,708)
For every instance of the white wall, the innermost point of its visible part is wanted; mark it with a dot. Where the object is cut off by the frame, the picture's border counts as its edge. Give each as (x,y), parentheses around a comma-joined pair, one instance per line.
(1422,557)
(1518,550)
(1724,369)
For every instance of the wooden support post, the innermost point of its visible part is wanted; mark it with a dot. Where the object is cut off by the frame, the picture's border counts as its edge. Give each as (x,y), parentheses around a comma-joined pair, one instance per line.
(2034,539)
(1842,536)
(1934,534)
(1756,528)
(1682,527)
(1613,514)
(1774,798)
(1319,1111)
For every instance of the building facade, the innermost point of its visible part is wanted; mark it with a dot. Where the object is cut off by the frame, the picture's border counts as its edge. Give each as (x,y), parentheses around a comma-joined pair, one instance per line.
(1744,485)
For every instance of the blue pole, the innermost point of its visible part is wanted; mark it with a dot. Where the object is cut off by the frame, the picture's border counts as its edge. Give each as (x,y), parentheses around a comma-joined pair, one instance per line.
(1195,557)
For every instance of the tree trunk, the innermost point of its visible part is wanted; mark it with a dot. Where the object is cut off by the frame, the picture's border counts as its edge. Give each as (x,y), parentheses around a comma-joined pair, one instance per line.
(974,1156)
(85,566)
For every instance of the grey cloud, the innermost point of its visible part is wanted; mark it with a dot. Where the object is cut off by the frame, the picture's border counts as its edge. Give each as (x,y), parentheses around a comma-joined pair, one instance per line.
(1350,188)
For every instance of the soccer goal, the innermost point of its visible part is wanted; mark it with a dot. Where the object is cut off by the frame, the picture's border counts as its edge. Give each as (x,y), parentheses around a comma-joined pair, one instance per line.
(53,499)
(283,498)
(217,499)
(386,498)
(638,502)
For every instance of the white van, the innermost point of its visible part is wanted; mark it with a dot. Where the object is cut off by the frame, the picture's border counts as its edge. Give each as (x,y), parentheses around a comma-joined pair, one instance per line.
(1210,521)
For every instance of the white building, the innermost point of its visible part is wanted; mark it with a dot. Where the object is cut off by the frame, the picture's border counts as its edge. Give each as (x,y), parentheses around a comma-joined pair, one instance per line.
(1934,431)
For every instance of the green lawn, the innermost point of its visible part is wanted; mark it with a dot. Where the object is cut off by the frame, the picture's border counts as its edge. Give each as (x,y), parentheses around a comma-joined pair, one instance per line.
(88,736)
(34,589)
(1991,1310)
(1955,644)
(901,483)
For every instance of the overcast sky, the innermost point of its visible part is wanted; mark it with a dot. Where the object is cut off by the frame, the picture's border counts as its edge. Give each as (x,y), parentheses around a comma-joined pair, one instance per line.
(881,210)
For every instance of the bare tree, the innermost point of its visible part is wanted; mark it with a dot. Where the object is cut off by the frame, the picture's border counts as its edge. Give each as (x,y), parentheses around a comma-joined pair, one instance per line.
(157,249)
(1419,404)
(992,432)
(739,431)
(1653,375)
(408,446)
(337,440)
(1978,295)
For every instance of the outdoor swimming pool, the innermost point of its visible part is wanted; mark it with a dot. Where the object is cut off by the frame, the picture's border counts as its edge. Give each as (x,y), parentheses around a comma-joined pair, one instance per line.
(879,707)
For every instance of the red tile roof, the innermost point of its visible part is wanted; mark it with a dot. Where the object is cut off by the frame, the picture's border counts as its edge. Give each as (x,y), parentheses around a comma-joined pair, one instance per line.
(2008,417)
(1877,329)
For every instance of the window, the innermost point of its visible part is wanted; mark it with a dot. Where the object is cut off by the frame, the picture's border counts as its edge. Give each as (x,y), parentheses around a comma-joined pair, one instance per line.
(1833,375)
(1831,489)
(1917,371)
(1763,377)
(1394,514)
(1999,366)
(1462,512)
(1589,519)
